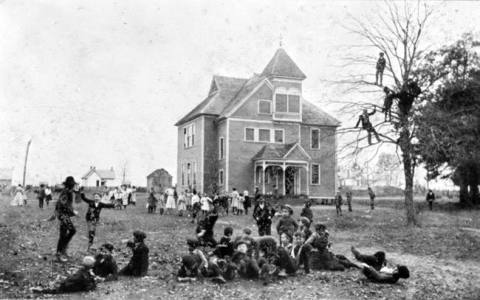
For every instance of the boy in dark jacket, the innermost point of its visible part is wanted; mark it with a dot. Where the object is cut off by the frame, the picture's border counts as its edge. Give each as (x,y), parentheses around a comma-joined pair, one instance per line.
(138,265)
(307,211)
(105,265)
(205,227)
(93,215)
(286,223)
(225,246)
(338,203)
(263,213)
(81,281)
(64,211)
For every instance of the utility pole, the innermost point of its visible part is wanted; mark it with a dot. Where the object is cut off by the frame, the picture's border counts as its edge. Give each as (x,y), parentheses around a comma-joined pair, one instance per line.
(25,164)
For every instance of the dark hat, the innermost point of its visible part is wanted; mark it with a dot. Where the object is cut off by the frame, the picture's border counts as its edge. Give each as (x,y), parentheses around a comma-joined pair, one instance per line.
(140,235)
(380,256)
(319,227)
(69,181)
(228,231)
(403,271)
(247,231)
(192,243)
(108,247)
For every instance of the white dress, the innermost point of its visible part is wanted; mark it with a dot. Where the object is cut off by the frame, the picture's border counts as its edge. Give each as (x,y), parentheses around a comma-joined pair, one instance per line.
(18,198)
(170,198)
(235,196)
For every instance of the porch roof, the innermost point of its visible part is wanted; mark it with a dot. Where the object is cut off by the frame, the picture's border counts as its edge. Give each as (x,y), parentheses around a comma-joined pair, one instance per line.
(282,152)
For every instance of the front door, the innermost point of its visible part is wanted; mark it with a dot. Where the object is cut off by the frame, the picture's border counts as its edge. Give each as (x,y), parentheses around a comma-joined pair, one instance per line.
(290,181)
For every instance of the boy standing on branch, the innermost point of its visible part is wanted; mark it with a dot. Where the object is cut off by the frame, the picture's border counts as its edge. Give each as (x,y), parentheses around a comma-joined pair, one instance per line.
(380,67)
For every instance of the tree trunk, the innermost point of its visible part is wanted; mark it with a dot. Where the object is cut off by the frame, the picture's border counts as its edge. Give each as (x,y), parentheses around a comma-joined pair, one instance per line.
(473,183)
(407,157)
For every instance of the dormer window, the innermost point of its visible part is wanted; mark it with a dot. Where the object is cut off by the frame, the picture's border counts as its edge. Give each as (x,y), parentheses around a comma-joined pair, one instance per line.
(287,104)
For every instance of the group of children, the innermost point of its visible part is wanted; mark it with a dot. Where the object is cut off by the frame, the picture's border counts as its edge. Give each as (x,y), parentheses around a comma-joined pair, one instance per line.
(103,267)
(265,259)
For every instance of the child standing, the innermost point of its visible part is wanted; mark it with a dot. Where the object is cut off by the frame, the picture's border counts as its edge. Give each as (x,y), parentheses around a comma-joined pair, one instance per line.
(152,202)
(338,203)
(182,207)
(93,215)
(161,203)
(307,211)
(205,202)
(241,202)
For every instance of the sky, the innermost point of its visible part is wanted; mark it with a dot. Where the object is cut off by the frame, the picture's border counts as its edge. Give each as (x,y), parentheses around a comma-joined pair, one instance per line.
(102,83)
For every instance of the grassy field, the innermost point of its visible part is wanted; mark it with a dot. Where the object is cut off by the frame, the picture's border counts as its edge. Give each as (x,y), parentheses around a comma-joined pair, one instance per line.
(443,254)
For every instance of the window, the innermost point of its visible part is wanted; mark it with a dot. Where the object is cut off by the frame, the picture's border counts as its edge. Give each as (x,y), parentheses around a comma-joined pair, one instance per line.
(278,136)
(315,174)
(189,136)
(220,148)
(315,138)
(183,174)
(188,174)
(287,103)
(281,103)
(264,135)
(250,134)
(220,177)
(293,103)
(194,167)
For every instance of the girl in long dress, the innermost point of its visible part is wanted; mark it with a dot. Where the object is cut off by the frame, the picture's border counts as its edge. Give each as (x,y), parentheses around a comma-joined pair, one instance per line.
(182,206)
(170,200)
(19,198)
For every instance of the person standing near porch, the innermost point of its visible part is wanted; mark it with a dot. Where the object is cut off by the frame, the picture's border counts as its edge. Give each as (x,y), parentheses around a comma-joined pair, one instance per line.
(430,198)
(371,194)
(235,195)
(338,203)
(349,200)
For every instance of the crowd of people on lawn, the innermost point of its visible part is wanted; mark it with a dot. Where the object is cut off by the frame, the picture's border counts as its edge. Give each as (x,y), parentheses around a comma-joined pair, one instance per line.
(300,245)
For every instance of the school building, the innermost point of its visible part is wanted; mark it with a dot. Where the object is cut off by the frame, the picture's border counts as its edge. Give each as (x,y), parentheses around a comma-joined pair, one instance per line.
(258,132)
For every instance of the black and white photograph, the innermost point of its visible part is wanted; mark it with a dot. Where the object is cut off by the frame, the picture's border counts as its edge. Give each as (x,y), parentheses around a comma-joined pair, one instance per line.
(257,149)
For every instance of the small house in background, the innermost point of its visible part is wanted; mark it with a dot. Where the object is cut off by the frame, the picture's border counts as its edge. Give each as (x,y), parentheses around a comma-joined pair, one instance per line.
(159,179)
(99,177)
(5,178)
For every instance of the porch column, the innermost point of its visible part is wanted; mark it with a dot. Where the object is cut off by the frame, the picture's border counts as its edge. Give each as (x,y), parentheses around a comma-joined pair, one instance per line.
(254,175)
(308,182)
(284,167)
(263,177)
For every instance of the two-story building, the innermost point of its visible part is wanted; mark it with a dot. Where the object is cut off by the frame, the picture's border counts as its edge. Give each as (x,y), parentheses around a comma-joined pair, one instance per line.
(258,132)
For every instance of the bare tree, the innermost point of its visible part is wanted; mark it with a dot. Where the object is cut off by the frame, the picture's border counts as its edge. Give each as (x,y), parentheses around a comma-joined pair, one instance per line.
(397,33)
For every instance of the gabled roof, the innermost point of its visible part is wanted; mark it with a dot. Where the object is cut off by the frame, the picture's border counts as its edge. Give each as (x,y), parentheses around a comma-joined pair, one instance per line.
(159,172)
(313,115)
(279,152)
(225,89)
(226,93)
(103,174)
(246,89)
(273,151)
(281,65)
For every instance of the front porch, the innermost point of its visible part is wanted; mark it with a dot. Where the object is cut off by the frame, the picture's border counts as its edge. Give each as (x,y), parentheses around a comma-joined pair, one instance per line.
(282,170)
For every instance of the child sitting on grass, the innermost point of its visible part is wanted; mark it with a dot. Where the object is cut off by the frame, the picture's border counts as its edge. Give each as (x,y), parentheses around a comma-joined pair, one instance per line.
(286,223)
(81,281)
(105,265)
(248,240)
(225,247)
(304,227)
(138,265)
